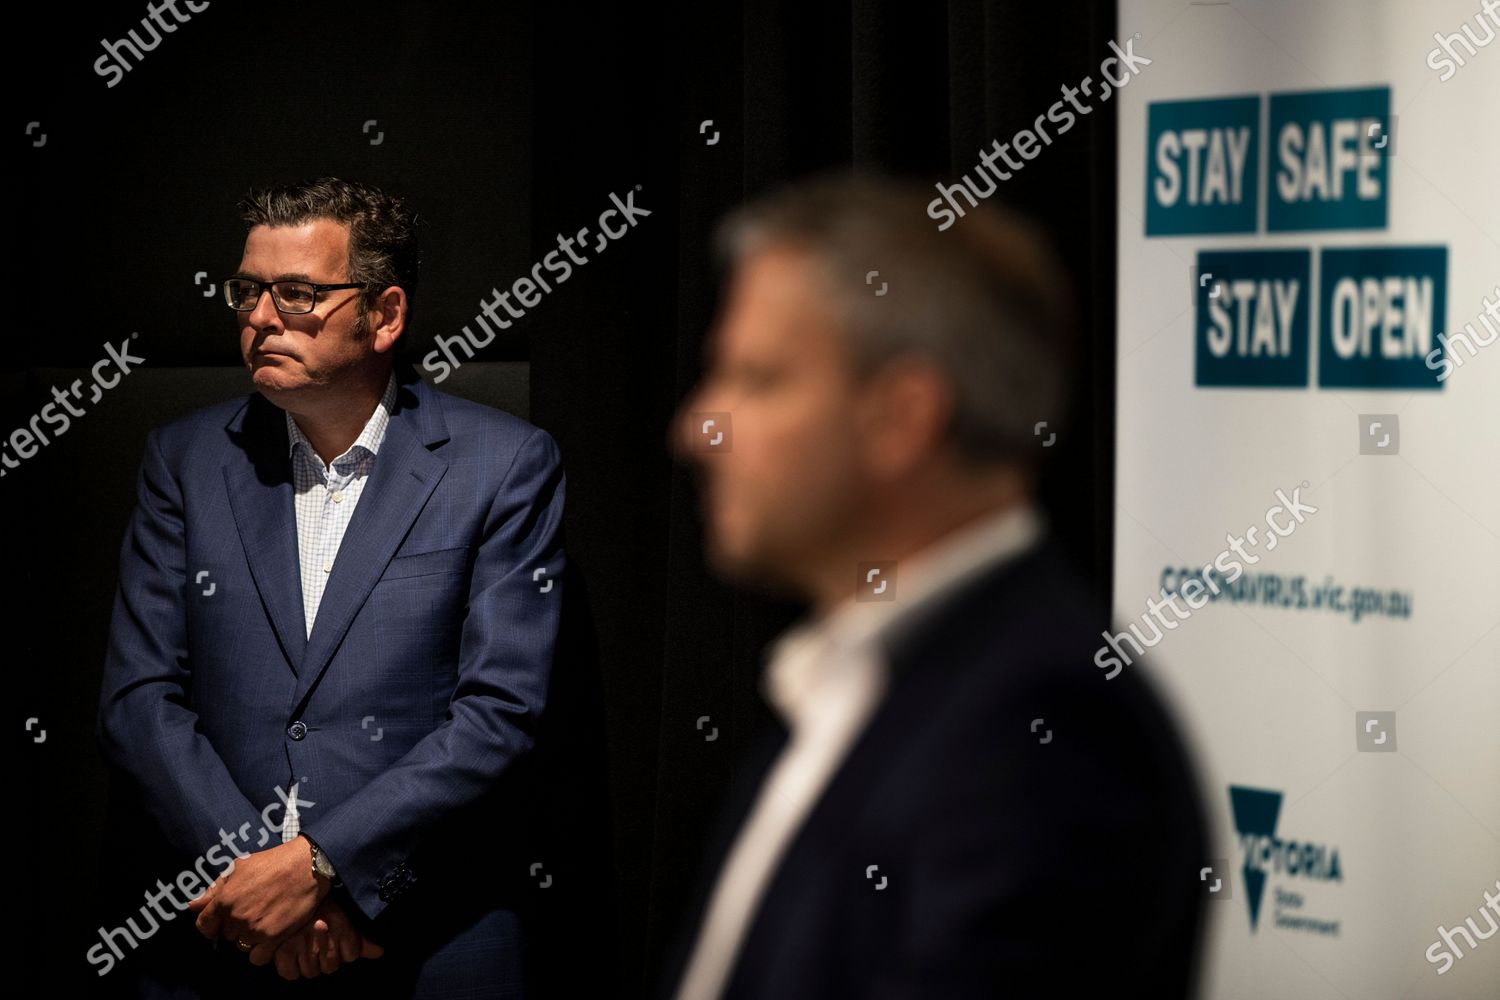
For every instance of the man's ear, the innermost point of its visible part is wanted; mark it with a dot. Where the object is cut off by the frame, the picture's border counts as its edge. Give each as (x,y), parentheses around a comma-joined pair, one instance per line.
(389,318)
(910,408)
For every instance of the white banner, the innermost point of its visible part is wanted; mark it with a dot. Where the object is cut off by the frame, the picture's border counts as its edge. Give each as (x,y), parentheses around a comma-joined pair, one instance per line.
(1308,519)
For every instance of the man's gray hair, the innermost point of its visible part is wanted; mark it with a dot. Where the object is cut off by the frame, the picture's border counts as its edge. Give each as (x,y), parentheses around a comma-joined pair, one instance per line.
(985,301)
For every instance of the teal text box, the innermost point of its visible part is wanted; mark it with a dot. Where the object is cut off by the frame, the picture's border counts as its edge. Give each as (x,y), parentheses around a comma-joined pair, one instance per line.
(1379,315)
(1252,318)
(1328,169)
(1202,166)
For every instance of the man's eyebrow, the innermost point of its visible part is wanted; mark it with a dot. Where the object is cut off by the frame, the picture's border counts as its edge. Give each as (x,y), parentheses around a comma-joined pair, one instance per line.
(285,276)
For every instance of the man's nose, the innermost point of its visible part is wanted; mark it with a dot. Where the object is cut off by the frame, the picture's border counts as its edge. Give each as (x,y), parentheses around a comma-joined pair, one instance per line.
(265,312)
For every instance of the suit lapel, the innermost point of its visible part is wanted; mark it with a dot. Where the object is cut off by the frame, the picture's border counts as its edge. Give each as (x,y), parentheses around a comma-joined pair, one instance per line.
(261,500)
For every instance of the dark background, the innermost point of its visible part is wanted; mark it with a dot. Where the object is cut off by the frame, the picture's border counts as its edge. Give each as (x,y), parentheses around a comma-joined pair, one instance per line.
(504,125)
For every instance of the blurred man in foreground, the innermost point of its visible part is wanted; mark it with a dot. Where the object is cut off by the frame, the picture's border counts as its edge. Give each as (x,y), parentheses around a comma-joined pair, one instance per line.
(957,803)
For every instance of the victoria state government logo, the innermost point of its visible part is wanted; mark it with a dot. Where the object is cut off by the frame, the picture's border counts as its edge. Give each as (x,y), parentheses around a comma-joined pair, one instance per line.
(1286,862)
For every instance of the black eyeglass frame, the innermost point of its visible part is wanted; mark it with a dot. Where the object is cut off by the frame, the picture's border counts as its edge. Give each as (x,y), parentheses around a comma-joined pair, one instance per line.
(269,286)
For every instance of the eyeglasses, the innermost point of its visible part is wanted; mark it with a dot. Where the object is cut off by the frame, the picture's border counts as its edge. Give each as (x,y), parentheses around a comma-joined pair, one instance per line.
(289,296)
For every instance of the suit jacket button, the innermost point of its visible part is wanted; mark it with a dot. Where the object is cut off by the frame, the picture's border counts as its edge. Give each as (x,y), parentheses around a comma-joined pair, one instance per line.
(296,730)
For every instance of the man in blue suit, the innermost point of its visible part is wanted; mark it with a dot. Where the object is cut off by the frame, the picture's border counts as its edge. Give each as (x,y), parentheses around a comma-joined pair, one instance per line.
(332,639)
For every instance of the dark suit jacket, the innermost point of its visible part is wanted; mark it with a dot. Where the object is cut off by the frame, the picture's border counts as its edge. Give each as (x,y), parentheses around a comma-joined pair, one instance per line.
(1012,867)
(408,715)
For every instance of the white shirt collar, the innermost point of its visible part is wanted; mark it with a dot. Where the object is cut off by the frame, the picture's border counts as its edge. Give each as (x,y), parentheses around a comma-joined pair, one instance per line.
(369,438)
(809,653)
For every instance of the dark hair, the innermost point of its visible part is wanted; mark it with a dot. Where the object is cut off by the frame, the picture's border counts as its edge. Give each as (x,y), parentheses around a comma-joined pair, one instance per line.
(382,234)
(987,302)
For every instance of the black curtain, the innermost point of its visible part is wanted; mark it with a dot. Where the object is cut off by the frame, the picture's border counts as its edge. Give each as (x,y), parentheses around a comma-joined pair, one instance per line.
(505,126)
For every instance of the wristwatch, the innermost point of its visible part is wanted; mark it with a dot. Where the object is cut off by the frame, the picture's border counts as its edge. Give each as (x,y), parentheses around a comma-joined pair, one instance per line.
(320,863)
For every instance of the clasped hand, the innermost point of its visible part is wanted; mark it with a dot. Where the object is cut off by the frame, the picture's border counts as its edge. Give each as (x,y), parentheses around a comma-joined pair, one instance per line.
(273,907)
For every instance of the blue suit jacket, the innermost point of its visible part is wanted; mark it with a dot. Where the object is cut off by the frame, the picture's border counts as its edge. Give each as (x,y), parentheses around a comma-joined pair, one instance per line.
(404,714)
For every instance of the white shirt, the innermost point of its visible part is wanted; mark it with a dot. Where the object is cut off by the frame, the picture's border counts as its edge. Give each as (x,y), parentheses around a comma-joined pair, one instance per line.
(327,494)
(825,678)
(325,499)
